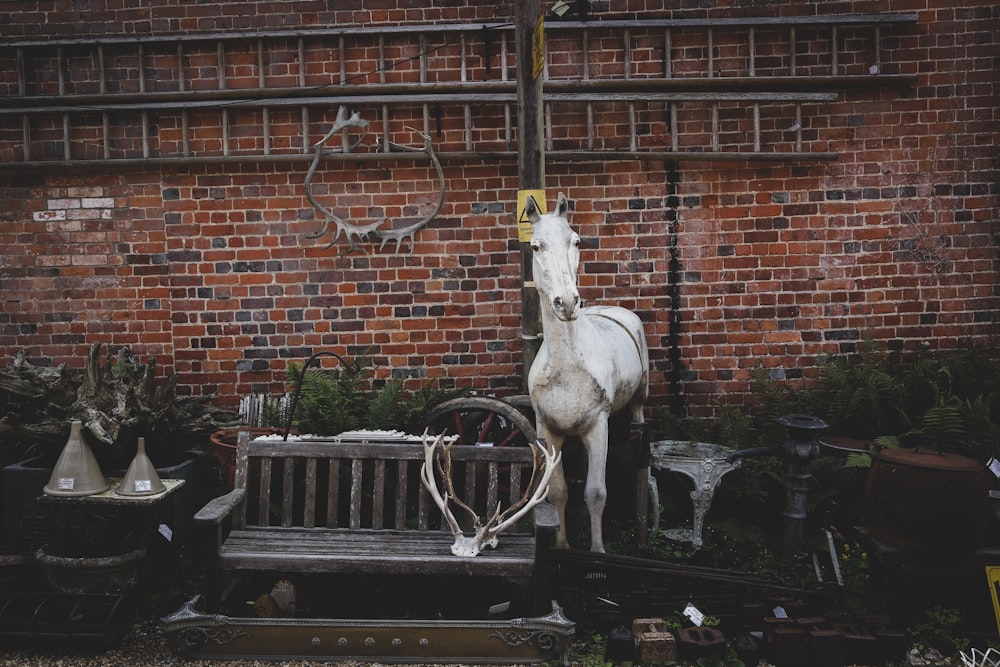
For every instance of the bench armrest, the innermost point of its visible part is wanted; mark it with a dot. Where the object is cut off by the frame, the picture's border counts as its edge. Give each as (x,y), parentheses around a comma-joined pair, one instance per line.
(216,510)
(546,518)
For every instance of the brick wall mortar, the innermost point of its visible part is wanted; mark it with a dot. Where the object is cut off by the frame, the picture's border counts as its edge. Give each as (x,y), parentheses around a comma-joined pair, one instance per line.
(209,267)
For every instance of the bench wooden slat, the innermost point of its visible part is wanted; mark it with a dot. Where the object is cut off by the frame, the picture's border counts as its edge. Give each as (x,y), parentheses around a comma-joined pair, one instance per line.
(492,486)
(381,551)
(287,492)
(264,494)
(356,473)
(309,511)
(470,483)
(401,495)
(378,497)
(389,451)
(423,502)
(515,484)
(333,494)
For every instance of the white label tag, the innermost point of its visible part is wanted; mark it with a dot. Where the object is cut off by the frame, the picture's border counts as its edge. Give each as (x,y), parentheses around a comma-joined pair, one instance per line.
(696,616)
(66,483)
(994,466)
(143,485)
(779,612)
(168,534)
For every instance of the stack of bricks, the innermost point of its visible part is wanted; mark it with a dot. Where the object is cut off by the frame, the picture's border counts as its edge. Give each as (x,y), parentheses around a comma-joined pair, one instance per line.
(653,642)
(821,642)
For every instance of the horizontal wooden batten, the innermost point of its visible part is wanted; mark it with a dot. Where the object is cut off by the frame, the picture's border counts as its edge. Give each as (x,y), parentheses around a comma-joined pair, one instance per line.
(553,157)
(481,28)
(504,98)
(742,88)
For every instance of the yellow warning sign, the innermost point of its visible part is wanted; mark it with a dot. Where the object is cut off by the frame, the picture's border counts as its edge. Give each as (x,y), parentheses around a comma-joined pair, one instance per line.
(538,48)
(523,224)
(993,576)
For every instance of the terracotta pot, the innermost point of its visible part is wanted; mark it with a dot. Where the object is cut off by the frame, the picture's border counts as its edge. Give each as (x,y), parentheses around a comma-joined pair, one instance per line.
(925,500)
(223,446)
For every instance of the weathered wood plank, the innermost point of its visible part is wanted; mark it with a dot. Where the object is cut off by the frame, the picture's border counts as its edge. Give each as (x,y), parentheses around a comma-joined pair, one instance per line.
(401,493)
(264,494)
(380,450)
(357,470)
(309,510)
(491,487)
(287,492)
(471,473)
(381,551)
(333,494)
(240,477)
(378,495)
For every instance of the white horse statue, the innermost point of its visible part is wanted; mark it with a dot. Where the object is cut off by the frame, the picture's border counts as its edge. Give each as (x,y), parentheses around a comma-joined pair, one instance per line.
(593,362)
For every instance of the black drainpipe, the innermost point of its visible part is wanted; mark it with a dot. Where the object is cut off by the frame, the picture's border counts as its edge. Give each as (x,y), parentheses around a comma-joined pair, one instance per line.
(676,400)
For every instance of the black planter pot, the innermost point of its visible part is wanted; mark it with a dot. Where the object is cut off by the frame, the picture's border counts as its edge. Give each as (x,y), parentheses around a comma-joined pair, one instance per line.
(27,526)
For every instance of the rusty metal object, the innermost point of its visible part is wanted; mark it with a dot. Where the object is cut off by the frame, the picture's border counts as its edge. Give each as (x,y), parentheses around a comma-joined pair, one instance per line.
(79,621)
(926,500)
(512,641)
(355,232)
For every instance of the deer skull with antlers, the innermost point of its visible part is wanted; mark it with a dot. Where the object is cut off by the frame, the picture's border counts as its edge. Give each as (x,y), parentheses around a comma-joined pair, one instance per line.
(546,459)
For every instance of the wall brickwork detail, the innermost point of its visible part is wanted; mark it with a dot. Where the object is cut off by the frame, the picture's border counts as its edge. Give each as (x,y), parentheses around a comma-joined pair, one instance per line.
(209,267)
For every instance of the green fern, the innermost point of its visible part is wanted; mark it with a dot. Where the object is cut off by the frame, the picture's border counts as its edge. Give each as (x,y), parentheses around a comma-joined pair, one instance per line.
(330,401)
(860,394)
(943,426)
(336,400)
(386,410)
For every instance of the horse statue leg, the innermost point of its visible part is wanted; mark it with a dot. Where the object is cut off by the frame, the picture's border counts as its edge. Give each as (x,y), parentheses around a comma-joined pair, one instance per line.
(595,493)
(558,491)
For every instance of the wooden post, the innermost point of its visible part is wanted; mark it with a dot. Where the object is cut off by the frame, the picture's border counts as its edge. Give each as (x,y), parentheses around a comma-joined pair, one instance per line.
(530,59)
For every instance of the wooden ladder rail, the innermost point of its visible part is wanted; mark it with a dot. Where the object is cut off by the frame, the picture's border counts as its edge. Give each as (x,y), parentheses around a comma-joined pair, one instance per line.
(67,103)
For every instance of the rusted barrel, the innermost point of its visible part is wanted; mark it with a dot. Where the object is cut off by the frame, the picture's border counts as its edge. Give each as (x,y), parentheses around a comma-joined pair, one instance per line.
(926,500)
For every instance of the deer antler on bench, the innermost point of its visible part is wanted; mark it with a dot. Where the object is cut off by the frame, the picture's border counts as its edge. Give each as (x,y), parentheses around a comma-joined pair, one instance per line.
(546,459)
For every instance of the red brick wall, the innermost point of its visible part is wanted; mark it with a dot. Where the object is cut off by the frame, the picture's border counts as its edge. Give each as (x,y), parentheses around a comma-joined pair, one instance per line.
(207,267)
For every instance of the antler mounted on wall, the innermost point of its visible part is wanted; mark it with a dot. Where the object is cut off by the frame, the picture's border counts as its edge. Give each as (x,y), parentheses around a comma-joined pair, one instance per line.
(359,232)
(437,455)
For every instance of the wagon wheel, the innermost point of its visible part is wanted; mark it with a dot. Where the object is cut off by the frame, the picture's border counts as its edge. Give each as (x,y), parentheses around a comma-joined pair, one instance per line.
(479,420)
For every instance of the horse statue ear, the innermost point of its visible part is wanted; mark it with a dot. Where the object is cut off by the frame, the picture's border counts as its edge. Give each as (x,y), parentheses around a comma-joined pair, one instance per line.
(562,205)
(531,210)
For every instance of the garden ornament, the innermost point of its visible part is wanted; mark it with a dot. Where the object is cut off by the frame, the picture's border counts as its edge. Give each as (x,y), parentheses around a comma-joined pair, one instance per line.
(355,231)
(977,658)
(141,478)
(593,362)
(77,472)
(437,455)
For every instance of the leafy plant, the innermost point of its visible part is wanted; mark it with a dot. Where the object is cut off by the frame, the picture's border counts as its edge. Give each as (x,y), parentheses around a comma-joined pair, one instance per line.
(726,658)
(346,398)
(587,650)
(947,401)
(937,629)
(118,399)
(331,401)
(861,394)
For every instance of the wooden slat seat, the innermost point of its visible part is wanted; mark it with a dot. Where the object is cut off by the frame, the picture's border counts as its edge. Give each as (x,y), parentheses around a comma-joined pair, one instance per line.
(379,551)
(343,506)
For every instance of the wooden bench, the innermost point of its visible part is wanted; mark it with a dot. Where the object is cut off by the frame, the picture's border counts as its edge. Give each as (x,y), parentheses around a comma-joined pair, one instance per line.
(350,505)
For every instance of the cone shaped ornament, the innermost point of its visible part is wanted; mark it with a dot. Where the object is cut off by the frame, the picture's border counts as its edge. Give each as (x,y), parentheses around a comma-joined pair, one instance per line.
(141,478)
(77,472)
